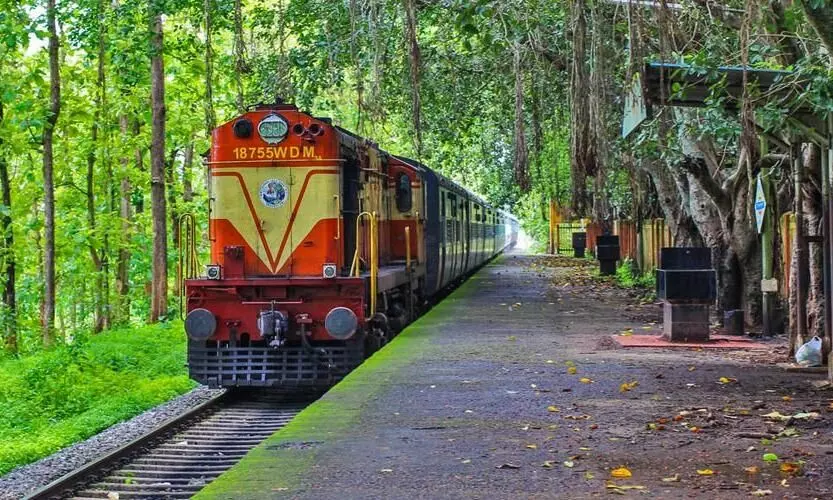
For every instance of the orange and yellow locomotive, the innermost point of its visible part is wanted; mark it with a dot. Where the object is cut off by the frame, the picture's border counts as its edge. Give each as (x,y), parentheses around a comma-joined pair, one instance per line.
(323,247)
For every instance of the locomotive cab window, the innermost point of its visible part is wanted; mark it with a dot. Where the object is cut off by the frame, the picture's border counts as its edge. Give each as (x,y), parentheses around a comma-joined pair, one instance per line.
(404,200)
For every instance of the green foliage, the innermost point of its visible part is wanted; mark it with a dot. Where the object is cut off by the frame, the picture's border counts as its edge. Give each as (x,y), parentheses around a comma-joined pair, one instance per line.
(628,276)
(57,397)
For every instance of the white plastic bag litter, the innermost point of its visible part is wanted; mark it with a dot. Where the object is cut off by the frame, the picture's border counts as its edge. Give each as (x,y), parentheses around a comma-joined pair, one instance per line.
(810,353)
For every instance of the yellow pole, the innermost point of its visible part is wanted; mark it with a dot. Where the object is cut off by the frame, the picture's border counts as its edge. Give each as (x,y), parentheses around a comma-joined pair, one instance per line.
(408,248)
(374,264)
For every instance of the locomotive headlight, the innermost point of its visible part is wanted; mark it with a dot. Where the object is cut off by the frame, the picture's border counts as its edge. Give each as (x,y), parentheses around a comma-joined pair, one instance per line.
(329,271)
(212,271)
(200,324)
(341,323)
(273,129)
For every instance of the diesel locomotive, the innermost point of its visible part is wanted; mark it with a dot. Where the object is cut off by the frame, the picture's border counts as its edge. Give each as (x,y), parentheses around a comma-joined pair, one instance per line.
(323,247)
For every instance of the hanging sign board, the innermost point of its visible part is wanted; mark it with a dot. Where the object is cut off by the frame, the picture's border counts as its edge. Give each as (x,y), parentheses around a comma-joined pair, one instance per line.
(636,108)
(760,205)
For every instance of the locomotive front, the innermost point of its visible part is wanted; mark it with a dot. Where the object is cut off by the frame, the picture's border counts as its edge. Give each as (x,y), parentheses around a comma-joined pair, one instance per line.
(274,306)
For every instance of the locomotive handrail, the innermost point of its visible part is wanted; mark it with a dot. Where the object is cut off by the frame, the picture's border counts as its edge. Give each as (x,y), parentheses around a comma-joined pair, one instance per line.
(338,216)
(188,262)
(355,268)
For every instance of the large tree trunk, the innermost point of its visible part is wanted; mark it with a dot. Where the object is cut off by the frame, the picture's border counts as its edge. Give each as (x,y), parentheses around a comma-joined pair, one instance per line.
(9,298)
(414,67)
(210,115)
(581,150)
(159,283)
(521,153)
(97,255)
(123,262)
(673,202)
(239,55)
(48,309)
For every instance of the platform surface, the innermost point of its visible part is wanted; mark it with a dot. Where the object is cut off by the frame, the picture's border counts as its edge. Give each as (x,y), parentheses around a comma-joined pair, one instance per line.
(511,388)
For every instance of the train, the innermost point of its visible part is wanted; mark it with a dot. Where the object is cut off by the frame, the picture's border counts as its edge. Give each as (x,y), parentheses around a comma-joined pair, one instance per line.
(323,247)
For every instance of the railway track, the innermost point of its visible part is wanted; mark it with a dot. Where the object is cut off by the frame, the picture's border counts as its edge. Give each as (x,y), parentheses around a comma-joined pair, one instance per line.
(184,454)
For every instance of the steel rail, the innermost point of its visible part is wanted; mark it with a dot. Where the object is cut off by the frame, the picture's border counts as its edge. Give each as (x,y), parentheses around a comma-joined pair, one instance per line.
(66,483)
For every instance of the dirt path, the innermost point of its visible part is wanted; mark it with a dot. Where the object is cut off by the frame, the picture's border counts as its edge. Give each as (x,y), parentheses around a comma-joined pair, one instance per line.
(512,389)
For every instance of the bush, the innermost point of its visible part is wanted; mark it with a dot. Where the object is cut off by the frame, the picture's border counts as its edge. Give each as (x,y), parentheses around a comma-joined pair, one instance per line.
(628,277)
(54,398)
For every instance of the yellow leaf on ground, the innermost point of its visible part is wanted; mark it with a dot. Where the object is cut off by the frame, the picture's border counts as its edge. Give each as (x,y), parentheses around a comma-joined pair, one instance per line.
(627,386)
(572,370)
(569,464)
(588,475)
(621,473)
(585,380)
(673,479)
(548,464)
(705,472)
(553,409)
(532,446)
(727,380)
(692,368)
(789,468)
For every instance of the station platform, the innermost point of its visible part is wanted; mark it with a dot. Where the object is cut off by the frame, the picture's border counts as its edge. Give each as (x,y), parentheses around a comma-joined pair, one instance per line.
(512,388)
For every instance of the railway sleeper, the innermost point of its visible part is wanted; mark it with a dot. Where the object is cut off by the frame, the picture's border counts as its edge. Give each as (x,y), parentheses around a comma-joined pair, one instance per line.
(149,481)
(164,474)
(152,460)
(155,486)
(134,494)
(144,468)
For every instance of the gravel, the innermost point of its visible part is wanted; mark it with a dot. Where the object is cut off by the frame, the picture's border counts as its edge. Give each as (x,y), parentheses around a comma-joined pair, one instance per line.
(26,479)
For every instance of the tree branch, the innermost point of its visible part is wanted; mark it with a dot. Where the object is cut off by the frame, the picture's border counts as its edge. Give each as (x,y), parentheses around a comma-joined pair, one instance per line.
(821,18)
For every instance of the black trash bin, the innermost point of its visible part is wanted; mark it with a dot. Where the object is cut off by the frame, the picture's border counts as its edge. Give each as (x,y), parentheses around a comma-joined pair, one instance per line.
(579,244)
(607,253)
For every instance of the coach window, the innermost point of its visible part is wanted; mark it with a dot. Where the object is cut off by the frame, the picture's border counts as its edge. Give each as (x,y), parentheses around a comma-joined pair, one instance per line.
(403,193)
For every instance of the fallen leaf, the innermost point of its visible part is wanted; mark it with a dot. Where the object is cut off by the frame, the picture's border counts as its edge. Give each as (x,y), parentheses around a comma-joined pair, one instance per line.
(761,493)
(532,446)
(585,380)
(572,370)
(385,470)
(789,468)
(553,409)
(569,464)
(798,416)
(787,398)
(511,338)
(621,473)
(727,380)
(466,461)
(113,495)
(692,368)
(627,386)
(705,472)
(623,488)
(752,469)
(548,464)
(770,457)
(508,466)
(588,475)
(673,479)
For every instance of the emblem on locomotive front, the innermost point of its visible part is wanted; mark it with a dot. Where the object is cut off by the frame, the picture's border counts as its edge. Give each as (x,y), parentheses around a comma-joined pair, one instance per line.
(273,193)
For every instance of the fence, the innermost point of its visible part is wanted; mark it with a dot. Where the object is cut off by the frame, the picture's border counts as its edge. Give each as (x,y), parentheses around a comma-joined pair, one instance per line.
(640,246)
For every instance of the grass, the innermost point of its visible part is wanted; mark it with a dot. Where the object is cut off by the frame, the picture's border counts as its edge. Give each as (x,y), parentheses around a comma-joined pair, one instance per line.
(54,398)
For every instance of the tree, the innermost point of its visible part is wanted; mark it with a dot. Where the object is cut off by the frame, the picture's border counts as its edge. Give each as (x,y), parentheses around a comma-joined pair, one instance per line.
(48,310)
(159,283)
